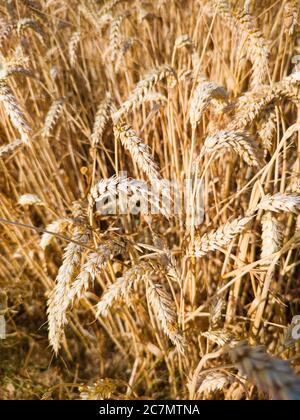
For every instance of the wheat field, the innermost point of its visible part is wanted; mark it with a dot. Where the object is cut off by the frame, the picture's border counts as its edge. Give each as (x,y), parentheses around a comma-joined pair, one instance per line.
(99,102)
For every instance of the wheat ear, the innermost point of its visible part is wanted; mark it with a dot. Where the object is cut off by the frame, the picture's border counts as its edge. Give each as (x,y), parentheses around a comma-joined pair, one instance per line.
(121,288)
(165,312)
(136,98)
(241,142)
(96,262)
(268,129)
(13,110)
(58,298)
(271,235)
(124,189)
(291,12)
(214,381)
(57,226)
(8,149)
(140,152)
(52,116)
(204,93)
(280,203)
(73,47)
(109,6)
(256,47)
(30,200)
(220,238)
(268,373)
(102,117)
(115,38)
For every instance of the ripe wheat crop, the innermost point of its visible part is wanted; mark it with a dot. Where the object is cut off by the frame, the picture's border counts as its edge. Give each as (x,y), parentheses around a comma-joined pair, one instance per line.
(150,199)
